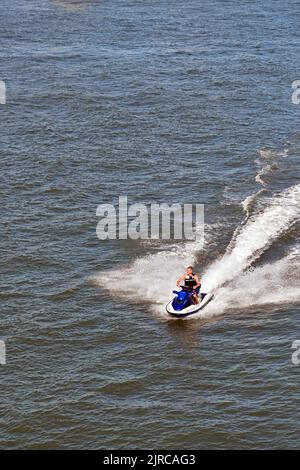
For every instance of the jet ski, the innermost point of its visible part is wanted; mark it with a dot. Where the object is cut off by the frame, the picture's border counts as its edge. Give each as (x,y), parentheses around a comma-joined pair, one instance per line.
(183,304)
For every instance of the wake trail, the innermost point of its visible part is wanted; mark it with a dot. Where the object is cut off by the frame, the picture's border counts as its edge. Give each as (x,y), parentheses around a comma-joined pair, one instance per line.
(258,234)
(276,283)
(150,279)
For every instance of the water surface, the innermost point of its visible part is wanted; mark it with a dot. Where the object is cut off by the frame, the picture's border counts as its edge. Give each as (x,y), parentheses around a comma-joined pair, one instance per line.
(173,101)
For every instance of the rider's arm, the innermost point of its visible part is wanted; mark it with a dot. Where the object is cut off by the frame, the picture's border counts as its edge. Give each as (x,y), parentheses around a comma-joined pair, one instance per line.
(179,280)
(198,282)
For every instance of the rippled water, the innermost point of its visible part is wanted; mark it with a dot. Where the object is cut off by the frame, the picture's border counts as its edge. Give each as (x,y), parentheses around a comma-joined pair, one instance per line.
(173,101)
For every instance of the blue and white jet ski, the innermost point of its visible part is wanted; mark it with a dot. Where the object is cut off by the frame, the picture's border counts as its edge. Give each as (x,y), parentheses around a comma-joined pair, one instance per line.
(183,304)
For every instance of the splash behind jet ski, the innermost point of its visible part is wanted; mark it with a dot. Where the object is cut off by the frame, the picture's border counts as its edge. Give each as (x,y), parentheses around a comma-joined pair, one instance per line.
(183,303)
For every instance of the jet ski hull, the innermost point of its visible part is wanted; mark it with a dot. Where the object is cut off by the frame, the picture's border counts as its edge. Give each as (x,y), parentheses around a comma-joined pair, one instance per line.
(191,309)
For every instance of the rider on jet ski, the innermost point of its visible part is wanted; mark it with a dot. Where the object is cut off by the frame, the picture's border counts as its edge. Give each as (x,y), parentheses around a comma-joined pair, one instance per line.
(191,280)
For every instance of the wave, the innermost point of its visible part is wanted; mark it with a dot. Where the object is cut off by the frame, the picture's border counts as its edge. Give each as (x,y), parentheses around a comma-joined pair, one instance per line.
(255,237)
(276,283)
(233,277)
(150,277)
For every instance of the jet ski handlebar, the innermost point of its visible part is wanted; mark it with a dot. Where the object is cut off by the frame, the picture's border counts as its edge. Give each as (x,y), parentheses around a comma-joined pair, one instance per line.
(186,289)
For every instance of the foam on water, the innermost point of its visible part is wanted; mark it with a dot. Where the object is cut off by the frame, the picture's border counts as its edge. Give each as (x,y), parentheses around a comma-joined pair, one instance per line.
(235,282)
(272,284)
(255,237)
(150,278)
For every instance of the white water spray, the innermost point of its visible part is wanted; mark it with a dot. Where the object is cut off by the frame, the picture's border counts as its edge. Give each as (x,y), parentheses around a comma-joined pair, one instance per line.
(152,278)
(255,237)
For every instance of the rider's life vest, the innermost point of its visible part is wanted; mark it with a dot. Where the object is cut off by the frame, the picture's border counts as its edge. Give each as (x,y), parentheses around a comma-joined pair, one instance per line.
(190,281)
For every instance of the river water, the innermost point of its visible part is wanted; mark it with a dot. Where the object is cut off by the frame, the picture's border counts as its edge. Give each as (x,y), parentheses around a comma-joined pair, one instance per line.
(160,101)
